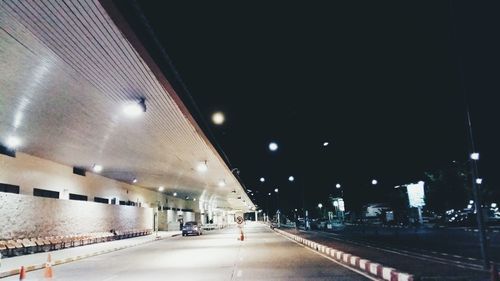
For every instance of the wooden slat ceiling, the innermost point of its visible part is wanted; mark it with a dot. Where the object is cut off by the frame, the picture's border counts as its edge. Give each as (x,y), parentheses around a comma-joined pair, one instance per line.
(66,71)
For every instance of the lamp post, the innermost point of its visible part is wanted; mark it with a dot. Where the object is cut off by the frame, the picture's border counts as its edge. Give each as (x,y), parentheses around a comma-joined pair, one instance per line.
(276,190)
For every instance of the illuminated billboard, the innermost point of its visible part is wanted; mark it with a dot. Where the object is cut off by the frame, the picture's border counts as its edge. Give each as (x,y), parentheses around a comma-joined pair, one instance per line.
(416,194)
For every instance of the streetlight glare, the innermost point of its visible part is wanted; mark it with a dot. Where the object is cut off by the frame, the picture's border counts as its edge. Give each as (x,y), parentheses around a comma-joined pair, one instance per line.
(338,185)
(276,190)
(218,118)
(273,146)
(479,180)
(374,182)
(291,178)
(320,205)
(474,156)
(262,179)
(326,143)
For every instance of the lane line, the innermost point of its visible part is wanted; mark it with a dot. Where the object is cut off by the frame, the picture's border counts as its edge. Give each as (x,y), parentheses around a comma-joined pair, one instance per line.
(327,257)
(413,254)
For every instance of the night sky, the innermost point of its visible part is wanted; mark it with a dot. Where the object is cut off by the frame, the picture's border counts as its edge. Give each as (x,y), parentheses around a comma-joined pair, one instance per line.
(383,83)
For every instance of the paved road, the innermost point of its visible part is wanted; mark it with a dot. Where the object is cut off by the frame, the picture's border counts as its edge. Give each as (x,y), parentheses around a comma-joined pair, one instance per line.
(216,255)
(406,257)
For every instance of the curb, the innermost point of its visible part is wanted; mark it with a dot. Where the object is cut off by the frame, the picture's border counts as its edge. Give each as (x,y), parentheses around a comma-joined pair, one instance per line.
(372,268)
(80,257)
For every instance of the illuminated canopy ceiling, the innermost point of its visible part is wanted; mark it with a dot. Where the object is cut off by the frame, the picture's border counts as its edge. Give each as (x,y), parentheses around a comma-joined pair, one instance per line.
(70,73)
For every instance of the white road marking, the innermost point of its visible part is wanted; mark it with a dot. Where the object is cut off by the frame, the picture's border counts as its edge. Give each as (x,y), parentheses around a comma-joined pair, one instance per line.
(327,257)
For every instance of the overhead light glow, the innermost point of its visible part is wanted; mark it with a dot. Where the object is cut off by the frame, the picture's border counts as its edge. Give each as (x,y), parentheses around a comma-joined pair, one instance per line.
(374,182)
(474,156)
(221,183)
(134,109)
(218,118)
(320,205)
(479,180)
(194,199)
(202,167)
(326,143)
(97,168)
(13,142)
(175,193)
(262,179)
(291,178)
(337,185)
(161,188)
(276,190)
(134,180)
(273,146)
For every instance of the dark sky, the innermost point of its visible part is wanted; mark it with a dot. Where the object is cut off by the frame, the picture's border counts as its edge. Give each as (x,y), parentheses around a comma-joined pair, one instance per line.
(382,82)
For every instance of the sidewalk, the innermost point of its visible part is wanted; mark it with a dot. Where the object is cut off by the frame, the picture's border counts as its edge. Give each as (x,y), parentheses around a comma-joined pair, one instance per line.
(11,266)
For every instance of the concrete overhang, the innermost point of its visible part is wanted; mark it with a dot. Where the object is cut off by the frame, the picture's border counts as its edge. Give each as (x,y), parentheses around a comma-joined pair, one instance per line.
(67,71)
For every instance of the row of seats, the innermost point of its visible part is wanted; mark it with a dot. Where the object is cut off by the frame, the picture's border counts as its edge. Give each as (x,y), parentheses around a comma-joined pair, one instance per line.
(27,246)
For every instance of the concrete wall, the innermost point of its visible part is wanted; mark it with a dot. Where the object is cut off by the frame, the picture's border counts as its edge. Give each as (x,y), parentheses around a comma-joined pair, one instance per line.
(32,172)
(28,216)
(25,215)
(169,219)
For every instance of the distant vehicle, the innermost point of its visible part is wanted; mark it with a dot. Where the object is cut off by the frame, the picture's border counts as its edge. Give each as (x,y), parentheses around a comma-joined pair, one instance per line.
(191,228)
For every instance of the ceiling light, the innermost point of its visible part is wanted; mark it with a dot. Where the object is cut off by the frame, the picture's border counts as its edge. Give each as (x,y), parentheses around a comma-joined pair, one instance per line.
(221,183)
(202,167)
(97,168)
(374,182)
(337,185)
(12,142)
(326,143)
(276,190)
(161,188)
(291,178)
(262,179)
(479,180)
(135,109)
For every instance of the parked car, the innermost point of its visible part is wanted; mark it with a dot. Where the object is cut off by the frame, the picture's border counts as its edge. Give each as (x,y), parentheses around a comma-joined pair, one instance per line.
(191,228)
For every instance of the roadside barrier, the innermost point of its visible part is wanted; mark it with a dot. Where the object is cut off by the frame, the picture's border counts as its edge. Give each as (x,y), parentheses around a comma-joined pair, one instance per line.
(372,268)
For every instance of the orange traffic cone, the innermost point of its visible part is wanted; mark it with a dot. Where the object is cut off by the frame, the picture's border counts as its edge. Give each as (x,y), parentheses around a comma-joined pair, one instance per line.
(22,273)
(48,268)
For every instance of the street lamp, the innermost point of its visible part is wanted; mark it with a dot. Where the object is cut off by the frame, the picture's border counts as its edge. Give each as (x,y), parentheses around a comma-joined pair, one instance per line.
(338,185)
(374,182)
(273,146)
(474,156)
(262,179)
(276,190)
(326,143)
(291,178)
(479,180)
(320,205)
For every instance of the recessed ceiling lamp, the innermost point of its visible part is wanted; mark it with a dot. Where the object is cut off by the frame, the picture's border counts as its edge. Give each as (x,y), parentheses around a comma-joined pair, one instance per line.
(12,142)
(96,168)
(202,167)
(135,109)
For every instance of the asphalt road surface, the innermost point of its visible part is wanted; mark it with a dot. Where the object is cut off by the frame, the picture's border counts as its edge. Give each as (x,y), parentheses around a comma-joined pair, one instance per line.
(428,254)
(216,255)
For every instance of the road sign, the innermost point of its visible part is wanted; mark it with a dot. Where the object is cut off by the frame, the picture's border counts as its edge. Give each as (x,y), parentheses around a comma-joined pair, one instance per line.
(239,219)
